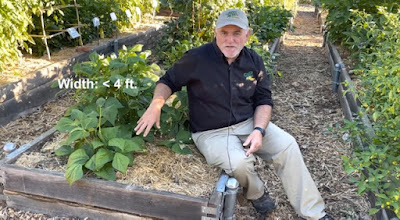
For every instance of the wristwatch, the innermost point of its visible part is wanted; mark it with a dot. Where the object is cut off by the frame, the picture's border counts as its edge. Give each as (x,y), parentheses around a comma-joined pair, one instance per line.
(261,130)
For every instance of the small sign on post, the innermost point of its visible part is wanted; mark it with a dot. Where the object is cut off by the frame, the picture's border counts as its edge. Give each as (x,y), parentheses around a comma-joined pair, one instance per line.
(96,21)
(128,13)
(96,24)
(154,4)
(114,18)
(73,33)
(139,14)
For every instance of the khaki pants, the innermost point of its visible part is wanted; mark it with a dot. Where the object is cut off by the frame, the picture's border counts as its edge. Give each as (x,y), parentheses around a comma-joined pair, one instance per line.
(279,147)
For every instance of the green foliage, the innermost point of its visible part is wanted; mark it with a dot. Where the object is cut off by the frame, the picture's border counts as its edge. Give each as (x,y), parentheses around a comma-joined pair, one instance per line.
(65,18)
(268,22)
(15,17)
(372,35)
(340,14)
(100,127)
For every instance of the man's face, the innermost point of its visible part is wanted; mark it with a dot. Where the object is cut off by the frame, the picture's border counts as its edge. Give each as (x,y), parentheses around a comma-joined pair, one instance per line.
(231,40)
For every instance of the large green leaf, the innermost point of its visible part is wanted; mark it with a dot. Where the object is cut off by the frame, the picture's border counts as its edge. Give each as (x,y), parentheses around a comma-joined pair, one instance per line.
(125,131)
(135,144)
(130,156)
(113,102)
(99,159)
(76,135)
(131,91)
(110,110)
(87,123)
(74,173)
(96,144)
(107,172)
(120,162)
(135,59)
(118,142)
(100,102)
(110,114)
(136,48)
(79,156)
(77,114)
(65,125)
(64,150)
(117,64)
(108,133)
(94,57)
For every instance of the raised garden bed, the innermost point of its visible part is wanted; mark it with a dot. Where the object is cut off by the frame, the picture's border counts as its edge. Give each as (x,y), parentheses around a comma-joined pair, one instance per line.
(351,107)
(48,192)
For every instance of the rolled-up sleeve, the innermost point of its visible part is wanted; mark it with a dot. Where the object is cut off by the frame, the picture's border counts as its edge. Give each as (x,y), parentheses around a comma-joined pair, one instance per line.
(263,94)
(179,74)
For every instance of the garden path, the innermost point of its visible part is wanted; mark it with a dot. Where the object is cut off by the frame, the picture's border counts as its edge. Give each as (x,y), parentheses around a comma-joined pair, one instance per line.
(306,108)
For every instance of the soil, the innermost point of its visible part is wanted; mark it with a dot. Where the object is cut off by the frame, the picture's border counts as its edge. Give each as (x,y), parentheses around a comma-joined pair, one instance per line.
(306,108)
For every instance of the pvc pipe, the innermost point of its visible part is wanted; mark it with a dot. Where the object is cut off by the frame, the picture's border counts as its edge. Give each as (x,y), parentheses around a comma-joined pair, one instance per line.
(232,186)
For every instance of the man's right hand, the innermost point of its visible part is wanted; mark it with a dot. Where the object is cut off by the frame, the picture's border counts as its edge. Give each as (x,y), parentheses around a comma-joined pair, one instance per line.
(150,117)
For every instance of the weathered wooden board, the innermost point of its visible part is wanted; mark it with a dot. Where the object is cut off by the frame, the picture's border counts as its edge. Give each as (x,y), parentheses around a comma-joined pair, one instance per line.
(61,208)
(103,194)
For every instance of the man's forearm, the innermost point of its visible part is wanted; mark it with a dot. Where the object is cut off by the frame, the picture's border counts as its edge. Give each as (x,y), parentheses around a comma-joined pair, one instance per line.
(262,116)
(161,93)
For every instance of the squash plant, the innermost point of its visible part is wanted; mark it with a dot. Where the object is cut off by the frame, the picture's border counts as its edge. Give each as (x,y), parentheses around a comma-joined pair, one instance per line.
(100,126)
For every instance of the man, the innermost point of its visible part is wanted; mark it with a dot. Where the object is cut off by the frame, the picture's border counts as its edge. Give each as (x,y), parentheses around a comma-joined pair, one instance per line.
(230,108)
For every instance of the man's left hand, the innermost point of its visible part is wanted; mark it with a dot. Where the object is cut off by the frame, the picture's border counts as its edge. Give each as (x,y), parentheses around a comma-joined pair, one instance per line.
(255,142)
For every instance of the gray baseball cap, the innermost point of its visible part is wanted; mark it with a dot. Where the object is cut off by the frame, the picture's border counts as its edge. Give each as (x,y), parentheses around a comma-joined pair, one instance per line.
(233,17)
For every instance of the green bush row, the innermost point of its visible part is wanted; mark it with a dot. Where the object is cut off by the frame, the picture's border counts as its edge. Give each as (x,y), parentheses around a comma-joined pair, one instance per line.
(372,34)
(15,17)
(65,18)
(20,18)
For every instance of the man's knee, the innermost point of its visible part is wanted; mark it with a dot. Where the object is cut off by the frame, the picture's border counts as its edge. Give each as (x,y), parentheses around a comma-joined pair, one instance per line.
(244,165)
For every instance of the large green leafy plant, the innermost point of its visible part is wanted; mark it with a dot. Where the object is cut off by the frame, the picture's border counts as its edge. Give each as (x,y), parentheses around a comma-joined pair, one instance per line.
(100,127)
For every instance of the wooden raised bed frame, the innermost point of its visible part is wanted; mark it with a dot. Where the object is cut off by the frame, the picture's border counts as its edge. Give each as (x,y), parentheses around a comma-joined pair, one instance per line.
(48,192)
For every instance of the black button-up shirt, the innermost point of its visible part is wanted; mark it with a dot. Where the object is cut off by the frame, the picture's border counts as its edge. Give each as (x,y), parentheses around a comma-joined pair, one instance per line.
(220,94)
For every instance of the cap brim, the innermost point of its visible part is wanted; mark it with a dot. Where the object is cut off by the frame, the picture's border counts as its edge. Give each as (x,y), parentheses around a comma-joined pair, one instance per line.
(239,24)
